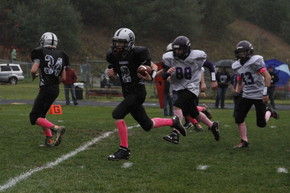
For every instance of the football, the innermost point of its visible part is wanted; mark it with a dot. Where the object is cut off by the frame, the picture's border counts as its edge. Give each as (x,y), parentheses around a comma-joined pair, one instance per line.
(144,68)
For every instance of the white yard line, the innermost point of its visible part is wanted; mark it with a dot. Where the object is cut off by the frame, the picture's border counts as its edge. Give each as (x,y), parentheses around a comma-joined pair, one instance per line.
(13,181)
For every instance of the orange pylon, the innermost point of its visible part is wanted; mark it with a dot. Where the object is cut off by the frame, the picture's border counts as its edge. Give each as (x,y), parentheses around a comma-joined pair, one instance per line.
(55,110)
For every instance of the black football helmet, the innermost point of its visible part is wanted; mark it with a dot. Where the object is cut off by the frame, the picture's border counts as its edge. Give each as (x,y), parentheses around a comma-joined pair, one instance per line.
(181,47)
(244,50)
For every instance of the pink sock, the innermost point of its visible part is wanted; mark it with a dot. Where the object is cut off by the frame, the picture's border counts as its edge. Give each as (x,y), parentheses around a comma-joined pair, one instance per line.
(160,122)
(192,120)
(200,108)
(123,132)
(203,118)
(46,125)
(47,132)
(42,122)
(267,115)
(243,131)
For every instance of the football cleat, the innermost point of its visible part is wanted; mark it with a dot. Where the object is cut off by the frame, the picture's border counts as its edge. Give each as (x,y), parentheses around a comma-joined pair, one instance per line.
(197,127)
(178,125)
(173,137)
(274,114)
(187,125)
(122,153)
(243,144)
(215,131)
(58,133)
(49,142)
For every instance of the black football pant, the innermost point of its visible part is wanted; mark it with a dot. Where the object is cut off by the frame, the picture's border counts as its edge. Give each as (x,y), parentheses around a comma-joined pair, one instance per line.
(133,104)
(187,102)
(45,98)
(244,107)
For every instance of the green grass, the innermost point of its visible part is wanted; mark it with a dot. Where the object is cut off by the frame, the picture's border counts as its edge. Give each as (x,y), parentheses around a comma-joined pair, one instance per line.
(158,166)
(28,90)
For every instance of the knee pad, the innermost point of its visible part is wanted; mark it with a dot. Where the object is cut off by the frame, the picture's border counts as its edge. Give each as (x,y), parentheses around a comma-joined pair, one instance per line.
(32,118)
(116,115)
(147,125)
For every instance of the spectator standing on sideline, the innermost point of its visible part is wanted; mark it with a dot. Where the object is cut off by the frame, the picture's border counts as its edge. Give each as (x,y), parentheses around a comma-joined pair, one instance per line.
(271,89)
(69,87)
(49,63)
(223,79)
(13,55)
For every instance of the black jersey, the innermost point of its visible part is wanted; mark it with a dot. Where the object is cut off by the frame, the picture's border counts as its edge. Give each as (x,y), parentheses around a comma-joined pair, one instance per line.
(52,63)
(126,67)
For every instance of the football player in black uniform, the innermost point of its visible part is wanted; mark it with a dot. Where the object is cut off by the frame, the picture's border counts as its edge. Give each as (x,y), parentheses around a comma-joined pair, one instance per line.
(49,63)
(124,59)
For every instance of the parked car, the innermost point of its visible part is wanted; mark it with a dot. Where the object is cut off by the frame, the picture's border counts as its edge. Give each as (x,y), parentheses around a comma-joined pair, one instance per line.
(11,73)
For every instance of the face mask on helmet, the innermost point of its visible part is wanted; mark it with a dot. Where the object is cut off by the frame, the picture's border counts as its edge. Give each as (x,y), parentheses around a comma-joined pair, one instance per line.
(244,50)
(123,40)
(48,39)
(181,47)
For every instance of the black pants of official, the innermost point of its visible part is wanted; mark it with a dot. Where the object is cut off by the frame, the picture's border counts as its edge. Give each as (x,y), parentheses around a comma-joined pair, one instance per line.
(244,107)
(43,101)
(133,104)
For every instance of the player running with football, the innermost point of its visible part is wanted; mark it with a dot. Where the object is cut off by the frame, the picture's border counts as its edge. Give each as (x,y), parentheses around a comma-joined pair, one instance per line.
(253,80)
(185,70)
(49,63)
(124,59)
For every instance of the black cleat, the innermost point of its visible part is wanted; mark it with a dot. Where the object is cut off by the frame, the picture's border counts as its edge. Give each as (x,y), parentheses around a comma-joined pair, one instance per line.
(215,131)
(49,142)
(122,153)
(243,144)
(58,133)
(274,114)
(173,137)
(187,125)
(178,125)
(197,127)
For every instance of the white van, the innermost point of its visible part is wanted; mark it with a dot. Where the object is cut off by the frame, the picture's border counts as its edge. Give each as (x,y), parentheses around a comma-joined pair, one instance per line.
(11,73)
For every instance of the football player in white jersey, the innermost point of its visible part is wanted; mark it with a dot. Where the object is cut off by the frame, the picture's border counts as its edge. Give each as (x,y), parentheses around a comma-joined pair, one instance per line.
(185,70)
(253,80)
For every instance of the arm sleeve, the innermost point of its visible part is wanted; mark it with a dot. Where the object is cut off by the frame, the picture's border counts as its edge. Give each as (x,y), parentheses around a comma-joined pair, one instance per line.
(209,65)
(258,65)
(35,54)
(109,59)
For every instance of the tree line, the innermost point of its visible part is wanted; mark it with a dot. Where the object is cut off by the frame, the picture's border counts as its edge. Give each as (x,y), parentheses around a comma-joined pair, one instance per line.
(23,22)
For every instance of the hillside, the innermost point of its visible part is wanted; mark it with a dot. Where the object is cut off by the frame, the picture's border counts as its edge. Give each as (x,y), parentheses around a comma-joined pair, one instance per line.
(97,41)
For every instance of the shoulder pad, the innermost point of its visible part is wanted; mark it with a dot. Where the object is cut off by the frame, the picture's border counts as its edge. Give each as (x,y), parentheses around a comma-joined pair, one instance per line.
(195,54)
(139,49)
(254,59)
(36,53)
(236,65)
(168,55)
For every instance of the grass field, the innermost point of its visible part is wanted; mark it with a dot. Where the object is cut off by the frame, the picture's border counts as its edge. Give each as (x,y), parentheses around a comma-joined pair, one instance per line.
(157,166)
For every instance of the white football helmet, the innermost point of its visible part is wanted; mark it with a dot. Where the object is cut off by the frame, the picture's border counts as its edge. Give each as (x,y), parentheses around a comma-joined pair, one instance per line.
(48,39)
(126,36)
